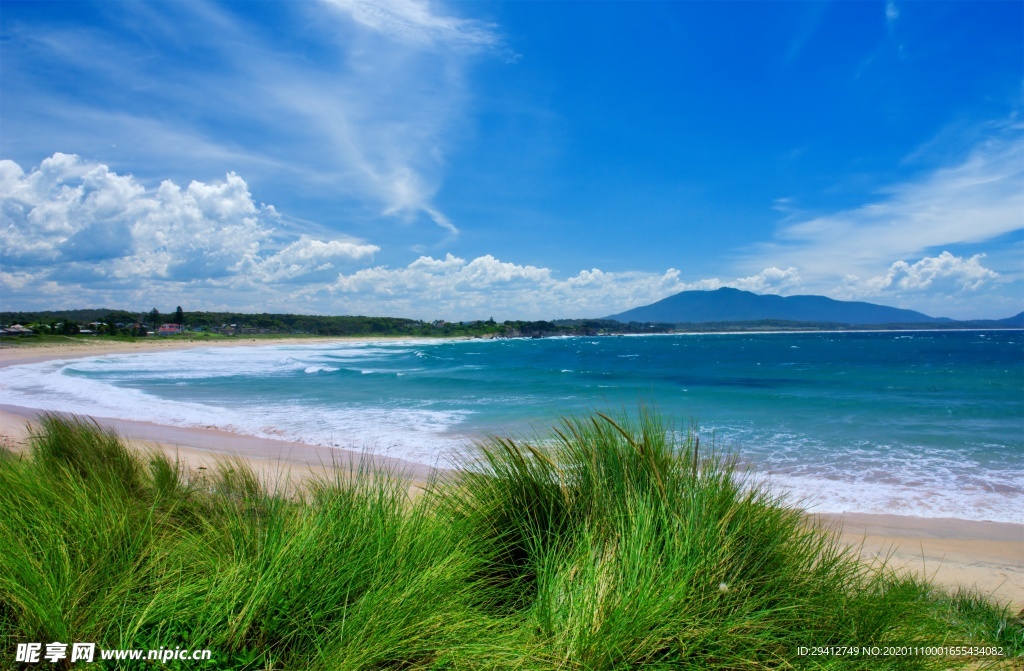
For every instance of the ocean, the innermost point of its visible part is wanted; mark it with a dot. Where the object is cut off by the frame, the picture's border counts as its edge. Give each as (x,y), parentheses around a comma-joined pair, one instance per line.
(927,423)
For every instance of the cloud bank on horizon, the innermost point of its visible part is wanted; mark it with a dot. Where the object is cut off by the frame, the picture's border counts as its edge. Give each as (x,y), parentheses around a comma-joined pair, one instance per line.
(409,159)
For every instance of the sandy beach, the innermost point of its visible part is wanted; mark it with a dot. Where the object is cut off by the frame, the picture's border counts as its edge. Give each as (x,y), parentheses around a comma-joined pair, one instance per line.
(988,556)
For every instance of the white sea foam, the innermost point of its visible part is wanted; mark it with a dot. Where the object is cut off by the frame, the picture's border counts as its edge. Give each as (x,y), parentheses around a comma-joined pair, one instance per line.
(837,495)
(320,369)
(872,478)
(95,387)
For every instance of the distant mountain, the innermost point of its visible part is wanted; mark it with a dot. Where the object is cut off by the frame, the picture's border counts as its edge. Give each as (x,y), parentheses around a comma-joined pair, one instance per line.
(1016,321)
(733,305)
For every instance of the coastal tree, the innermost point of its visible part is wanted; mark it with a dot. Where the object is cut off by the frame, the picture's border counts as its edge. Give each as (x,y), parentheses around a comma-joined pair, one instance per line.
(179,316)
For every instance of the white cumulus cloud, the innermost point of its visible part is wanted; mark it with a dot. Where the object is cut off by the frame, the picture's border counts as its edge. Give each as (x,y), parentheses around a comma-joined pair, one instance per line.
(769,281)
(82,222)
(46,218)
(306,255)
(943,274)
(486,286)
(77,232)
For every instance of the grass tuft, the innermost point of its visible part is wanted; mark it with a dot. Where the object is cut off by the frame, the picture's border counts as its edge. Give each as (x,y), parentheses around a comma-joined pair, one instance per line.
(616,543)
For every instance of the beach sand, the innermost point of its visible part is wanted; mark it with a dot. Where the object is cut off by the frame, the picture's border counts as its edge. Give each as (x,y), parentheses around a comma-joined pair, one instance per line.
(987,556)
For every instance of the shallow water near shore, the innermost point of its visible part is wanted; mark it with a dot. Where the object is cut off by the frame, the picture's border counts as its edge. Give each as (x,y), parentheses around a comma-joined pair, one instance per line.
(911,423)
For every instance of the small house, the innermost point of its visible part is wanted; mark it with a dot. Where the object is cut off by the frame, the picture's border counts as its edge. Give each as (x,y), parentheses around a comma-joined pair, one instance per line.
(170,329)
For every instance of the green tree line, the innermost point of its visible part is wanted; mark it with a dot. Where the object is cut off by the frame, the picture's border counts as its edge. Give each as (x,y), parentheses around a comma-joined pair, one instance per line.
(322,325)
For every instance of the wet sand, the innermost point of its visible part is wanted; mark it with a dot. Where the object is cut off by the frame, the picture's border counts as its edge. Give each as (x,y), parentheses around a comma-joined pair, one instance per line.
(987,556)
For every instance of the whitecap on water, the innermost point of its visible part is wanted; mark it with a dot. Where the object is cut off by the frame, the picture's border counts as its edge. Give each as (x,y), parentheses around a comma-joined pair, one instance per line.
(320,369)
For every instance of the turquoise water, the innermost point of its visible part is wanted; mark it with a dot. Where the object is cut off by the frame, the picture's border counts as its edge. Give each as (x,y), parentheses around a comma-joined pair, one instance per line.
(926,423)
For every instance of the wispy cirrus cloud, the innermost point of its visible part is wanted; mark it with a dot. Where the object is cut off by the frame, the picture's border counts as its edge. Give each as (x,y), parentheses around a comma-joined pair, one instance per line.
(367,121)
(974,200)
(892,13)
(415,22)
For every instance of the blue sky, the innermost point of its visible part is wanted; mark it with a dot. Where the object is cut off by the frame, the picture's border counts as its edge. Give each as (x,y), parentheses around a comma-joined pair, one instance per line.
(515,160)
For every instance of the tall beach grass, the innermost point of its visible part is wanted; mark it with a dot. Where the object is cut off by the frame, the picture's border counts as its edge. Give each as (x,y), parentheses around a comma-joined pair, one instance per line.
(612,544)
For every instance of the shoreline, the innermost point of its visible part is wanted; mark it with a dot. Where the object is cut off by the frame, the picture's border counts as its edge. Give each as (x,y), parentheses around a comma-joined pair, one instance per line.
(206,446)
(197,447)
(16,355)
(988,556)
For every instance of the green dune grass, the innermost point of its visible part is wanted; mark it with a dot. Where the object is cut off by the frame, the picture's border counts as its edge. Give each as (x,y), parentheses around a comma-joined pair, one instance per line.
(616,545)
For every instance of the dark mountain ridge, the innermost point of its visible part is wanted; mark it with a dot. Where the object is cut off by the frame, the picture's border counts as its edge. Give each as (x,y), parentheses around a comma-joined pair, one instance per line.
(733,305)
